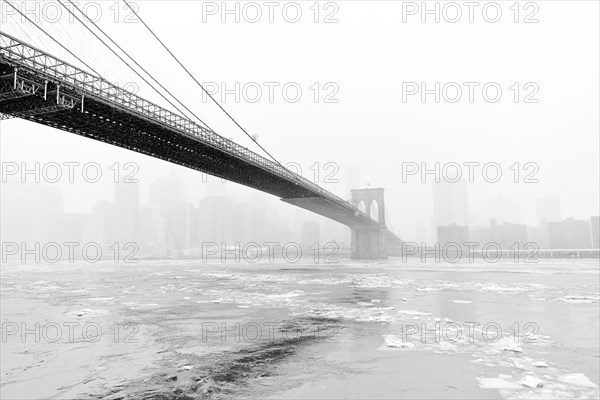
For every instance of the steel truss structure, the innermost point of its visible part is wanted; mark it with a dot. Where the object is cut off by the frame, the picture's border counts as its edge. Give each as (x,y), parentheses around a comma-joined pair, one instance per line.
(39,87)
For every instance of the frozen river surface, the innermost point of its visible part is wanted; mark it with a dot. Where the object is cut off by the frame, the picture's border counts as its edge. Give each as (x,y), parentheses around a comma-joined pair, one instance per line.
(186,329)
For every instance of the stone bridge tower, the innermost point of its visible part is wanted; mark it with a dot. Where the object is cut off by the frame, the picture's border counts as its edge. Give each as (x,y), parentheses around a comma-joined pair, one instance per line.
(369,242)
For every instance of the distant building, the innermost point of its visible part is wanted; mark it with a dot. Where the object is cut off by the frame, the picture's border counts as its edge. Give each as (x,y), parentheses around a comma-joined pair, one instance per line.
(569,234)
(450,204)
(548,209)
(480,235)
(453,234)
(595,233)
(215,223)
(507,234)
(73,226)
(151,235)
(259,229)
(311,233)
(538,235)
(179,226)
(100,225)
(126,209)
(504,209)
(168,192)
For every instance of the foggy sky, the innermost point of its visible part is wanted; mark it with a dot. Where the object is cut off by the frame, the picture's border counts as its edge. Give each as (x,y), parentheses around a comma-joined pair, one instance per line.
(368,54)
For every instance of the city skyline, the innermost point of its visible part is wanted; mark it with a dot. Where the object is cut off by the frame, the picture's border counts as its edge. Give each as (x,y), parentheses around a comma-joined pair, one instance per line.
(163,222)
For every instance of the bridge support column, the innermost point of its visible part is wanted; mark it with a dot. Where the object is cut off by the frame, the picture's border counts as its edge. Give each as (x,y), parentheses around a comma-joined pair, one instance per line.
(369,243)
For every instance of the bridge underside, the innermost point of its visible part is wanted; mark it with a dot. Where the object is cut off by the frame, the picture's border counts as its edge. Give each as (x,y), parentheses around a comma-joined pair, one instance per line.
(331,210)
(40,98)
(111,125)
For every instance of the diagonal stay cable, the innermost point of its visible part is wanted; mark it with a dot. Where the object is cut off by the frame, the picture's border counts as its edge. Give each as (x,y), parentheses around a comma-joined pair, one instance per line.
(55,40)
(205,91)
(132,59)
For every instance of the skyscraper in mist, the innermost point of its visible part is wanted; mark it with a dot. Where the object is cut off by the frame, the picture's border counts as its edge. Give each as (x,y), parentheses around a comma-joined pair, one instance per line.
(126,212)
(311,233)
(168,192)
(570,234)
(504,210)
(450,204)
(216,220)
(548,209)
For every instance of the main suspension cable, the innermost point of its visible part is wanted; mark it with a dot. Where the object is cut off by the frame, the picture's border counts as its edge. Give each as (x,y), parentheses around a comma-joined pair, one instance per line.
(202,87)
(55,40)
(132,59)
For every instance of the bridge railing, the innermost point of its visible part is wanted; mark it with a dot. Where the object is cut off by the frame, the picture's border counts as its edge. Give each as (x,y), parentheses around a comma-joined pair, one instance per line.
(25,56)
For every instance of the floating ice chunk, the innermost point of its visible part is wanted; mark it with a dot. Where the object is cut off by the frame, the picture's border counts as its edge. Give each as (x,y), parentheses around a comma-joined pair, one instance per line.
(395,341)
(101,298)
(413,312)
(86,311)
(186,367)
(375,301)
(577,299)
(540,364)
(578,379)
(513,347)
(532,382)
(496,383)
(462,301)
(217,301)
(518,364)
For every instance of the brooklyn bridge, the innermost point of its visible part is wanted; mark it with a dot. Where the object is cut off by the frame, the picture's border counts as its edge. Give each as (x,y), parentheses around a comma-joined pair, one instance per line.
(42,88)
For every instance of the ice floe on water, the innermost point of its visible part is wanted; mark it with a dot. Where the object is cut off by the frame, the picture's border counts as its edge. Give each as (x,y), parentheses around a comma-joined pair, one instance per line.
(413,312)
(579,299)
(394,341)
(496,383)
(134,305)
(577,379)
(462,301)
(530,386)
(539,364)
(86,312)
(532,382)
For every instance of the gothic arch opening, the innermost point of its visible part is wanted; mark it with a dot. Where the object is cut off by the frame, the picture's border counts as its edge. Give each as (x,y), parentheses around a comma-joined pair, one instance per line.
(374,210)
(361,206)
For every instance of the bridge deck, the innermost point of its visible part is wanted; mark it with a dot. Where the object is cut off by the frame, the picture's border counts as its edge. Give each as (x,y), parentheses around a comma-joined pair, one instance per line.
(41,88)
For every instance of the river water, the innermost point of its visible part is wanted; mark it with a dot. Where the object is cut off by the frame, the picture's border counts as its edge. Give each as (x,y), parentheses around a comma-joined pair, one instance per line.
(182,329)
